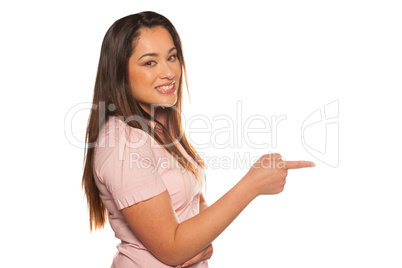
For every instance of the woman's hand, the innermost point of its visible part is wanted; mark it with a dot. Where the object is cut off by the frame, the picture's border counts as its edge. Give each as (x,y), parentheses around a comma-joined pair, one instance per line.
(268,174)
(202,256)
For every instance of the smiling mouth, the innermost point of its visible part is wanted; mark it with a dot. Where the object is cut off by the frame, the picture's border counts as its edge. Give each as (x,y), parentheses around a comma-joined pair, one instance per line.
(167,87)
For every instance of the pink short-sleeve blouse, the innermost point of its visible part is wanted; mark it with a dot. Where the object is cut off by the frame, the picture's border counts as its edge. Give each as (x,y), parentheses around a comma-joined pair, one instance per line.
(130,167)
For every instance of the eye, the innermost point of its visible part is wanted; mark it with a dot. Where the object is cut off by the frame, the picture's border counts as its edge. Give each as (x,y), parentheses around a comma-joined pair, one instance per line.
(150,63)
(172,58)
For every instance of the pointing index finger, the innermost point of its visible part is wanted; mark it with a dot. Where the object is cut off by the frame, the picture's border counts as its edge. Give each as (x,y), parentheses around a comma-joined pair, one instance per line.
(298,164)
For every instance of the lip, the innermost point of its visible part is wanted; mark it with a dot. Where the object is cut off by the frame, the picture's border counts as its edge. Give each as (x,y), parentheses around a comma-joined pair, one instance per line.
(167,84)
(167,91)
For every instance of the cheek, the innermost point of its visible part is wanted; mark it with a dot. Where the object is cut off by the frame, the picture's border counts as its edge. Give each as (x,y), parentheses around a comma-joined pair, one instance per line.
(178,69)
(140,79)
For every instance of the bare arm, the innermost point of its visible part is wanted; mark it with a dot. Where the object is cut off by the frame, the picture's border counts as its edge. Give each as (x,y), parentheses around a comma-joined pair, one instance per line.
(203,202)
(206,253)
(156,225)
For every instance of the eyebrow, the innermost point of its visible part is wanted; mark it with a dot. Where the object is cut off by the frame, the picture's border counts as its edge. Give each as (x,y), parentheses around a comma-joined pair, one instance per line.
(155,54)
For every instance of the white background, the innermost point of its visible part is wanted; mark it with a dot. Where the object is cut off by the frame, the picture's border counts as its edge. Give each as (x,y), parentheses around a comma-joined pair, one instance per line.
(278,58)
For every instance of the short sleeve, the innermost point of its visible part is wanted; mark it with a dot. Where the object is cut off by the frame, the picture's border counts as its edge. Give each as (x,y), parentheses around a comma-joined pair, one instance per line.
(124,163)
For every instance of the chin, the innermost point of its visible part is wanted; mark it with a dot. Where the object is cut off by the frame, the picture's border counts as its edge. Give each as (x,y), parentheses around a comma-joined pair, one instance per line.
(168,103)
(165,104)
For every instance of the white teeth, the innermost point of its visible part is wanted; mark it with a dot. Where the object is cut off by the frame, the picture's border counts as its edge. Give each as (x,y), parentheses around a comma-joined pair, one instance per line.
(164,88)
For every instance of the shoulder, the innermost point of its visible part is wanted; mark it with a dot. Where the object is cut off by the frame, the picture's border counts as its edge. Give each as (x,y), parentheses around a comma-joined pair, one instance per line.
(117,130)
(118,142)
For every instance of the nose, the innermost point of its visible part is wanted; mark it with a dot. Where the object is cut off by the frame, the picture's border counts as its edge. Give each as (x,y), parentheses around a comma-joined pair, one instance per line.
(167,72)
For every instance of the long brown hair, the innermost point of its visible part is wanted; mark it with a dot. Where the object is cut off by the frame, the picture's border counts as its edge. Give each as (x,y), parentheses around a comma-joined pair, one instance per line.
(112,89)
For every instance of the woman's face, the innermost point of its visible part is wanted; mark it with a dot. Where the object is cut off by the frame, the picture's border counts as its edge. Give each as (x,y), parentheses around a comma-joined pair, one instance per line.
(154,69)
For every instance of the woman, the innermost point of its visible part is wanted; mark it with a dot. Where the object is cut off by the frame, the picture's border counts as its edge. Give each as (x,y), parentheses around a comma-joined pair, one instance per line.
(140,170)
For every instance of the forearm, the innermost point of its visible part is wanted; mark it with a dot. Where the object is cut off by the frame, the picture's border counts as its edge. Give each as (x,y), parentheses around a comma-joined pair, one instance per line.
(203,203)
(195,234)
(203,206)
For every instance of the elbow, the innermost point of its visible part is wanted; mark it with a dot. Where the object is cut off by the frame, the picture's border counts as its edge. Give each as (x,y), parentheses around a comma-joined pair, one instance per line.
(170,259)
(169,256)
(169,252)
